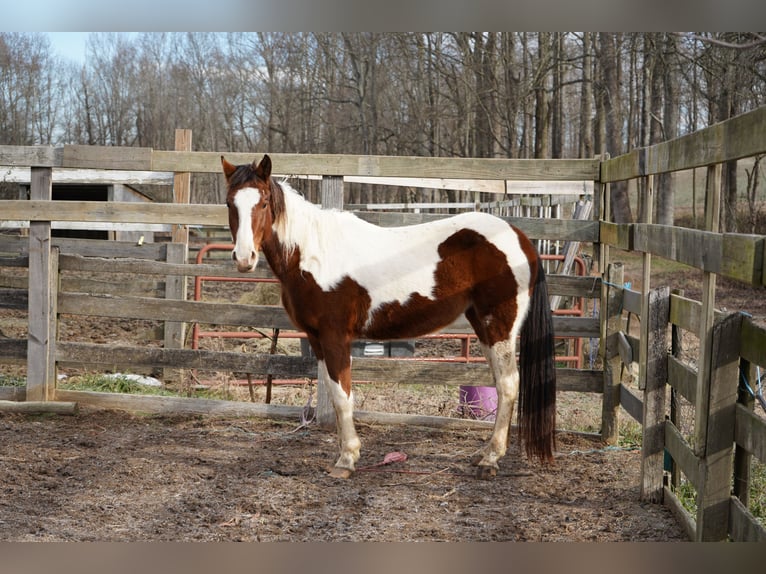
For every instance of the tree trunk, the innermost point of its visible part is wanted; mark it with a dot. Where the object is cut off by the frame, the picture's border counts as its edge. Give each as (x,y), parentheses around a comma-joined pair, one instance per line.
(586,100)
(610,63)
(670,117)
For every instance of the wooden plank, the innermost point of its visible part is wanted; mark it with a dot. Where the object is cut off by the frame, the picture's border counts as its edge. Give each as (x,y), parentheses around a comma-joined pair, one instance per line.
(38,407)
(13,351)
(684,518)
(655,375)
(409,371)
(611,312)
(712,218)
(280,366)
(534,228)
(90,226)
(585,327)
(742,257)
(175,331)
(738,137)
(211,407)
(685,313)
(331,190)
(215,215)
(753,342)
(43,281)
(683,378)
(632,404)
(619,235)
(508,187)
(700,249)
(182,186)
(631,301)
(149,309)
(622,167)
(109,157)
(92,176)
(627,348)
(588,287)
(387,166)
(16,394)
(39,156)
(715,490)
(750,432)
(149,267)
(13,298)
(179,405)
(682,453)
(743,525)
(114,211)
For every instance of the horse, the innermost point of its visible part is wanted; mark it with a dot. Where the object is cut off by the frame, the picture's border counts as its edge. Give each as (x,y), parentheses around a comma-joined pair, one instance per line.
(343,279)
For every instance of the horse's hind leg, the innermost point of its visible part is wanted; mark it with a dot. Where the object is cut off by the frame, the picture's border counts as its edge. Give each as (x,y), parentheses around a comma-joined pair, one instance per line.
(501,358)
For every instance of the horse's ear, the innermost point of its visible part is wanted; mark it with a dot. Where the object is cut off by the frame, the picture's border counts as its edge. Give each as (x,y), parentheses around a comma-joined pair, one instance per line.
(228,169)
(263,169)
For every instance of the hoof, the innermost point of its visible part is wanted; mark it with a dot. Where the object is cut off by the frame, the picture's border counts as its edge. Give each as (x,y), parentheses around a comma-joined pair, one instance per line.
(337,472)
(486,472)
(477,458)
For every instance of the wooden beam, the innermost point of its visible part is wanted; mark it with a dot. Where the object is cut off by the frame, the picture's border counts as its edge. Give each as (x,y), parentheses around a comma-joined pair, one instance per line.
(182,188)
(715,490)
(707,315)
(738,137)
(43,282)
(114,211)
(39,407)
(611,312)
(654,364)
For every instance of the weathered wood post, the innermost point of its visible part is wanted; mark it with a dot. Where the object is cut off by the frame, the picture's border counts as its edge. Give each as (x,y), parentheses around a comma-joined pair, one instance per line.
(654,365)
(43,284)
(611,325)
(177,252)
(714,490)
(331,190)
(701,407)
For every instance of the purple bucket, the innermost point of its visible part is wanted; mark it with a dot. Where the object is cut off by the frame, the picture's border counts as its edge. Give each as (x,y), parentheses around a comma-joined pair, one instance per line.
(478,402)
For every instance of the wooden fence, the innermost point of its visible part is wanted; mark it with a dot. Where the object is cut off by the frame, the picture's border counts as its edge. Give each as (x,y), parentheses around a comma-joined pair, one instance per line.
(726,431)
(725,426)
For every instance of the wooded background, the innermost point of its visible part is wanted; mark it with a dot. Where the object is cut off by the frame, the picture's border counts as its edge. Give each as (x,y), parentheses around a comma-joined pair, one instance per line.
(461,94)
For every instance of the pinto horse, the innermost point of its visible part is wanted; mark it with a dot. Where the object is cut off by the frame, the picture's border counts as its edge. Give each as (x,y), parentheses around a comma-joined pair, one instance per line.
(343,278)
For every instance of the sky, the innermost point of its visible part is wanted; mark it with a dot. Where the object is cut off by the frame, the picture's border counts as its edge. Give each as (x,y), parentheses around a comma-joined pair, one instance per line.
(69,45)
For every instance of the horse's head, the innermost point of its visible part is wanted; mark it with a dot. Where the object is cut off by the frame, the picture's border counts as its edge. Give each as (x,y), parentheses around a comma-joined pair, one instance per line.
(248,199)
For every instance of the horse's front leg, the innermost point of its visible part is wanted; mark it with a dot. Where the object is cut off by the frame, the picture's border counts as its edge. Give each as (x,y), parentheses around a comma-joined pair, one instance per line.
(337,377)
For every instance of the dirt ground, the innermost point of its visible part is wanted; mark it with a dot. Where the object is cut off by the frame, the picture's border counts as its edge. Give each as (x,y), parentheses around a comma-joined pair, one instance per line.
(113,476)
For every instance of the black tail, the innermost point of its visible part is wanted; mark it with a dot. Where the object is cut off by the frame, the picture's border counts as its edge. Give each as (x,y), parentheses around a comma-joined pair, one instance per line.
(537,368)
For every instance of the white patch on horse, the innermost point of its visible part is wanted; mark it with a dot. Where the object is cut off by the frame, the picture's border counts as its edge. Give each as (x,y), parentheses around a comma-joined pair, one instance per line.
(393,263)
(245,200)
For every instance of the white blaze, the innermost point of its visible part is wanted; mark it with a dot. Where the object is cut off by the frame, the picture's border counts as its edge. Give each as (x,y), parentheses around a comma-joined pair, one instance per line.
(245,200)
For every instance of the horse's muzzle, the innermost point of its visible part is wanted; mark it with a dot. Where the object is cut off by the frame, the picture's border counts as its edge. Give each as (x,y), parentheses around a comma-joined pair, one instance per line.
(245,265)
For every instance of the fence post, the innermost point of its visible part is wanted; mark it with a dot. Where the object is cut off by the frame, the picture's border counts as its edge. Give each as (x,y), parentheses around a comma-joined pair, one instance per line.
(742,458)
(175,288)
(331,198)
(701,406)
(43,283)
(611,325)
(714,492)
(655,365)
